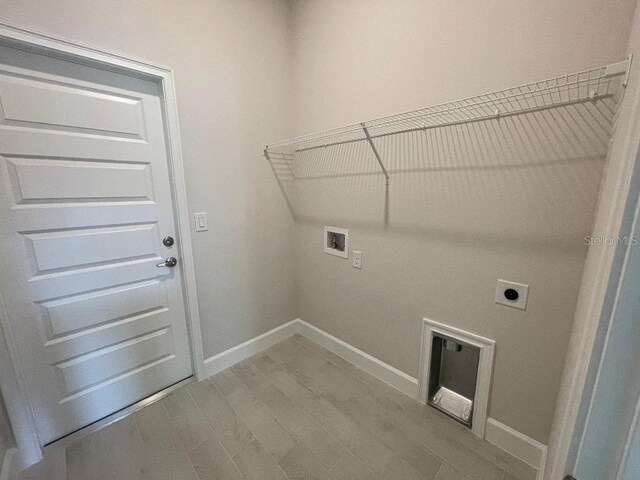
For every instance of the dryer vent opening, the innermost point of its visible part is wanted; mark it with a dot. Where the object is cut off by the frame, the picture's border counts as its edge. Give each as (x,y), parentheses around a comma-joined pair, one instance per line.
(453,375)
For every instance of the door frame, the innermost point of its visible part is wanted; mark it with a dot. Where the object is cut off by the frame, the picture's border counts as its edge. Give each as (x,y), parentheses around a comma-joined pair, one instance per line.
(30,449)
(608,354)
(601,276)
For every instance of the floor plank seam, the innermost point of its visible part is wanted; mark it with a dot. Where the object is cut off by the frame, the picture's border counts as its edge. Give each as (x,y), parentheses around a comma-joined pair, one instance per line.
(231,458)
(302,407)
(180,443)
(319,425)
(391,386)
(273,415)
(247,426)
(368,387)
(329,360)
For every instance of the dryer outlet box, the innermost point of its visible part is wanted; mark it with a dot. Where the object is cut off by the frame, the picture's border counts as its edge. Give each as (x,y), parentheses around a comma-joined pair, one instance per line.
(512,294)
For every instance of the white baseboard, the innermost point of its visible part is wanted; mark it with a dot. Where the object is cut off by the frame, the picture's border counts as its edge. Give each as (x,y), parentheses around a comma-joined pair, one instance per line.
(527,449)
(371,365)
(388,374)
(226,359)
(8,471)
(530,451)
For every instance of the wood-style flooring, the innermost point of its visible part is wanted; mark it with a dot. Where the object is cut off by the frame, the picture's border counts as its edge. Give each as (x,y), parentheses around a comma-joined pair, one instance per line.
(293,411)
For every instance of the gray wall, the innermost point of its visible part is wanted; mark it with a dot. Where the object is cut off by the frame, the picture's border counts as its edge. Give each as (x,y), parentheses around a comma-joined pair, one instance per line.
(6,437)
(231,61)
(466,206)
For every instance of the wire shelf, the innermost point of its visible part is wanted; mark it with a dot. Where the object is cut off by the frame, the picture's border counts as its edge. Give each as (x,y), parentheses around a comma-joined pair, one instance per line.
(593,85)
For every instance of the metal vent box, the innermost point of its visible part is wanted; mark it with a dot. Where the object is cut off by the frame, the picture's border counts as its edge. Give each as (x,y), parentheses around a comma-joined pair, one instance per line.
(453,375)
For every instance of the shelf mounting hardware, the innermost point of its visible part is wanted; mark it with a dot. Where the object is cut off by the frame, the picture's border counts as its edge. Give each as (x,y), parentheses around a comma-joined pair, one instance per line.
(265,152)
(619,68)
(375,152)
(625,80)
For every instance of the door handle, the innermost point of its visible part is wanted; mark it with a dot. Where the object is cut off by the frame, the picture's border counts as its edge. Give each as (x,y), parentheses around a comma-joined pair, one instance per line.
(169,262)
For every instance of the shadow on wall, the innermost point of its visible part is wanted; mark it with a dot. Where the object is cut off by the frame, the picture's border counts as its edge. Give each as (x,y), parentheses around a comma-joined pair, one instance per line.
(530,178)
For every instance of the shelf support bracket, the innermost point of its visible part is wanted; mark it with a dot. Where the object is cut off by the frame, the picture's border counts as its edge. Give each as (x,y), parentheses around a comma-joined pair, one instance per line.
(265,152)
(375,152)
(625,80)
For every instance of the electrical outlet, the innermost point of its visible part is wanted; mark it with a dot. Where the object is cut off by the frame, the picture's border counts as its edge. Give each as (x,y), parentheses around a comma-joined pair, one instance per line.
(201,222)
(357,259)
(512,294)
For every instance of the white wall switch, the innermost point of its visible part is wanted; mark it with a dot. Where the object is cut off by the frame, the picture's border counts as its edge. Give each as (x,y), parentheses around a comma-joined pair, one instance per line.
(357,259)
(512,294)
(201,222)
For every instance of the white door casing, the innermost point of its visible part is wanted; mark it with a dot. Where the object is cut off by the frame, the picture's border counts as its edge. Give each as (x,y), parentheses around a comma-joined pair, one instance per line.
(611,410)
(85,199)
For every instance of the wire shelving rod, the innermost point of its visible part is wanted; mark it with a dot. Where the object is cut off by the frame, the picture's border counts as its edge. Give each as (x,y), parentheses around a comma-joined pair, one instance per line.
(593,85)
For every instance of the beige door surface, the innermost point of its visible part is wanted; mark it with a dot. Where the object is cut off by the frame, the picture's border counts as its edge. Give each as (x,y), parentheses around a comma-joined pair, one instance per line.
(85,201)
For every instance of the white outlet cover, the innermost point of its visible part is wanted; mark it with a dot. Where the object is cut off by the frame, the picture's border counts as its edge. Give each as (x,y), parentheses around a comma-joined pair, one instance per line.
(357,259)
(521,288)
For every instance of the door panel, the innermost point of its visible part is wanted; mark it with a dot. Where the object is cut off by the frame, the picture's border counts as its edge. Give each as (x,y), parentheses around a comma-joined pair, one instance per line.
(57,105)
(85,200)
(69,282)
(78,180)
(111,333)
(96,367)
(76,248)
(96,308)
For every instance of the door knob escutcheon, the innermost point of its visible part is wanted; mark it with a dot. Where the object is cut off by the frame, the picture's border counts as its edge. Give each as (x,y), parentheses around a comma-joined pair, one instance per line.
(167,241)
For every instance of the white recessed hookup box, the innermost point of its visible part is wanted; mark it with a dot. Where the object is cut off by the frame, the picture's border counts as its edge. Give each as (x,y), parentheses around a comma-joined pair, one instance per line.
(336,241)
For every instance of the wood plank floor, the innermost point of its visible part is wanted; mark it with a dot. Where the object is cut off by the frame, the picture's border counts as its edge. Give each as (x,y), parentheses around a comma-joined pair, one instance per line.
(294,411)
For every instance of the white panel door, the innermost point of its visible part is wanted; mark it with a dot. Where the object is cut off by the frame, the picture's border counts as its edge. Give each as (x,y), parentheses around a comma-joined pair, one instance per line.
(85,201)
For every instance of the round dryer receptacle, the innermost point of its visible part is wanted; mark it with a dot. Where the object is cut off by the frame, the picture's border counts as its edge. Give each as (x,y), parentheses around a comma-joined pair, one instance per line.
(511,294)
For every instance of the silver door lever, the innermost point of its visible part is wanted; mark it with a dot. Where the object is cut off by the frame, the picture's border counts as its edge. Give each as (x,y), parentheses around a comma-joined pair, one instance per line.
(169,262)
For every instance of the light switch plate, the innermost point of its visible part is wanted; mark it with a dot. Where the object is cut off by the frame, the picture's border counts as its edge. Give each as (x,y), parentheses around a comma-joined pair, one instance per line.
(201,222)
(357,259)
(521,288)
